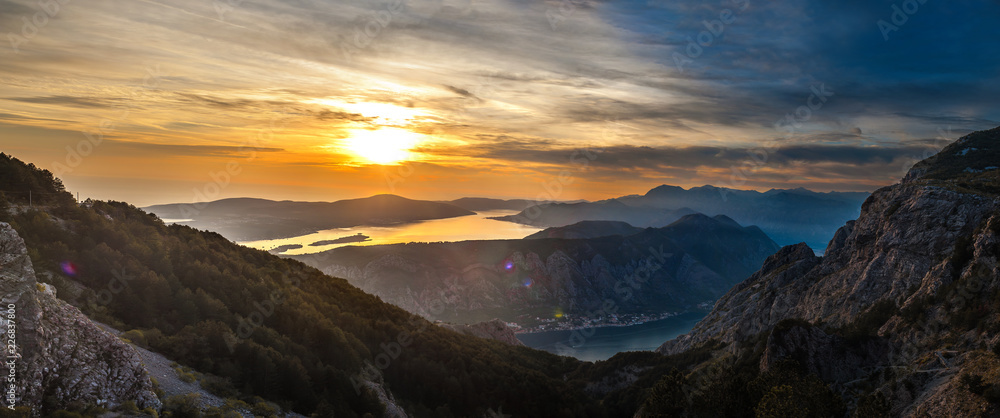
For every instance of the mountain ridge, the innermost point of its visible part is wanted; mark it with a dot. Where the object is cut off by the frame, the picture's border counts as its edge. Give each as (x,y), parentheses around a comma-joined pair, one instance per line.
(915,276)
(260,329)
(250,219)
(696,258)
(786,215)
(62,356)
(587,229)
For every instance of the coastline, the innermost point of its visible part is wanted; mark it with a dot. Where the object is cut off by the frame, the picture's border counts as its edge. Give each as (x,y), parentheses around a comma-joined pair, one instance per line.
(601,323)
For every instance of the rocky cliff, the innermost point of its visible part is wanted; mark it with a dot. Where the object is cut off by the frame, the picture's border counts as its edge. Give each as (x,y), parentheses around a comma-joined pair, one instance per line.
(912,284)
(61,356)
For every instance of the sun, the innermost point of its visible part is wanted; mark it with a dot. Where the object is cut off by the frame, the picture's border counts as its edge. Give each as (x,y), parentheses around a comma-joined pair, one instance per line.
(383,146)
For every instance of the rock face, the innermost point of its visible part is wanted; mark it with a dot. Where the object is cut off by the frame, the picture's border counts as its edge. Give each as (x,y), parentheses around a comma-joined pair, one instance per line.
(63,356)
(493,330)
(757,303)
(924,251)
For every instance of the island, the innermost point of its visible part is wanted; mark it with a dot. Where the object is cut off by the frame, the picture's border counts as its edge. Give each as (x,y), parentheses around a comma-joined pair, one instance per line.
(282,248)
(359,237)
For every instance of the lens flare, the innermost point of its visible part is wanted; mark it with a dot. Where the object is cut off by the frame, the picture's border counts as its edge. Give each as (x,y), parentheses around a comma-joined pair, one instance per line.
(69,268)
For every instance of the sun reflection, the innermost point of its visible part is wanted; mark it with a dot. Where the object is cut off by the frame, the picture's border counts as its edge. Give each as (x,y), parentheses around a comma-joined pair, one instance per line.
(382,146)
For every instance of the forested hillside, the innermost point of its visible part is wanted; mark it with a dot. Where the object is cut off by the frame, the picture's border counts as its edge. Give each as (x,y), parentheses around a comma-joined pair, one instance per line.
(267,326)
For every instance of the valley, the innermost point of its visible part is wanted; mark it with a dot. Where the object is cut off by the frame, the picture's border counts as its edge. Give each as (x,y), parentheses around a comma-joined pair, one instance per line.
(498,209)
(922,255)
(597,342)
(553,281)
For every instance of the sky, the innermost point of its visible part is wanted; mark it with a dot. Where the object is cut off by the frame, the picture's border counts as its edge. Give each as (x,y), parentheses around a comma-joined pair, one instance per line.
(159,101)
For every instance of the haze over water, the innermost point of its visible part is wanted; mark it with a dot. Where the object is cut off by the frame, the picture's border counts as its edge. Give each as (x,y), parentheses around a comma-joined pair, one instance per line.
(463,228)
(604,342)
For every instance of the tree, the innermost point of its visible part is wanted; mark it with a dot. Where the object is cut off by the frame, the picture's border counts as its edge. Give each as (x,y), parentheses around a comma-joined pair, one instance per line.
(787,390)
(783,401)
(873,406)
(668,398)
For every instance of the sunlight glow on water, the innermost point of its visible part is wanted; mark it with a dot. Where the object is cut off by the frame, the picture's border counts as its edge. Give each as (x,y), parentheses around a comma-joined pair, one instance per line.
(464,228)
(603,342)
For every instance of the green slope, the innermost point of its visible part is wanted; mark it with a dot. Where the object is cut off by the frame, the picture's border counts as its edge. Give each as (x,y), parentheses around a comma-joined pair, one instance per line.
(272,327)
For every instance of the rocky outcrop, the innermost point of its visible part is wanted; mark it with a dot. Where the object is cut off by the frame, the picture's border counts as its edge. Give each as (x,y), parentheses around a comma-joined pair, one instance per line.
(753,305)
(902,242)
(923,252)
(493,330)
(63,357)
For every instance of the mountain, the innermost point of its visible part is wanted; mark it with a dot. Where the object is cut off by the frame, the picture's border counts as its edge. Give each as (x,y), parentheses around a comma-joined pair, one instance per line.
(587,229)
(62,357)
(265,333)
(27,184)
(247,219)
(562,214)
(900,317)
(656,270)
(787,216)
(269,336)
(495,330)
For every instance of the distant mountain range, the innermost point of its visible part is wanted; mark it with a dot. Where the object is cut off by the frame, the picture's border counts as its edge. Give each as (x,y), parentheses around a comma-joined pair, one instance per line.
(562,214)
(478,204)
(787,216)
(899,318)
(248,219)
(576,271)
(587,229)
(270,336)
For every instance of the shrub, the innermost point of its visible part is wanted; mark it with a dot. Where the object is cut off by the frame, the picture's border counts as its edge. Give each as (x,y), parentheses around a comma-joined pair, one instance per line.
(874,405)
(667,397)
(187,377)
(136,337)
(219,386)
(974,383)
(128,407)
(787,391)
(183,406)
(156,388)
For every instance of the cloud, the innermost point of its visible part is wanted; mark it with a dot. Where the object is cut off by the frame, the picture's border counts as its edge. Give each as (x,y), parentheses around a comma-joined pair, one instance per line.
(68,101)
(459,91)
(185,149)
(643,157)
(518,83)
